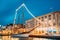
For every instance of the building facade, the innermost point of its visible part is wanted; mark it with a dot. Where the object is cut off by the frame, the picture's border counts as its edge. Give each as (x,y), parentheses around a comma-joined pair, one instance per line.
(47,22)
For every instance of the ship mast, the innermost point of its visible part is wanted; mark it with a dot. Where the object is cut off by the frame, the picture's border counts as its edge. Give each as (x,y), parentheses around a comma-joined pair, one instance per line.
(23,17)
(18,19)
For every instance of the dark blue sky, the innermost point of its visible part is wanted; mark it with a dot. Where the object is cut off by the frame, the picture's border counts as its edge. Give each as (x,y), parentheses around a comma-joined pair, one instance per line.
(37,7)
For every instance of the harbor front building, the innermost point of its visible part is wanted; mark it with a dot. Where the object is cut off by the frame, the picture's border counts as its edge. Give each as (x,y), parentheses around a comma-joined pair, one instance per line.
(48,23)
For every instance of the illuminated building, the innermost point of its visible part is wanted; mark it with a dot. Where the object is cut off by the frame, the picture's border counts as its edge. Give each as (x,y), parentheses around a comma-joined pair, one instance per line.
(50,21)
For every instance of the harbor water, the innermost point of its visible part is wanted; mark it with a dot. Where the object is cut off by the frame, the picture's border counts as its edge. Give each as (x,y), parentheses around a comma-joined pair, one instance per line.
(23,38)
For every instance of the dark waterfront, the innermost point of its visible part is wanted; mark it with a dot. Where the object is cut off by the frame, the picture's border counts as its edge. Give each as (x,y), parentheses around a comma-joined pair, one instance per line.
(23,38)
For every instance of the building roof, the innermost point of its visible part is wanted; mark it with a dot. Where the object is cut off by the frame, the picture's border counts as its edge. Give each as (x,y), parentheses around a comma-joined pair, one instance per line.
(45,14)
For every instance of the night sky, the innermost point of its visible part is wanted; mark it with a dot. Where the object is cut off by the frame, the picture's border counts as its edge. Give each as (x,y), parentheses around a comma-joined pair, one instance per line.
(37,7)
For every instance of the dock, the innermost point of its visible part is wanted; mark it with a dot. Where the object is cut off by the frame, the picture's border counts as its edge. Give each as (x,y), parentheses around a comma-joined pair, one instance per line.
(46,36)
(20,35)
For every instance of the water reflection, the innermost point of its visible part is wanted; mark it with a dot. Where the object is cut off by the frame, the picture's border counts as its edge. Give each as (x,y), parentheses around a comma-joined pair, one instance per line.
(22,38)
(8,38)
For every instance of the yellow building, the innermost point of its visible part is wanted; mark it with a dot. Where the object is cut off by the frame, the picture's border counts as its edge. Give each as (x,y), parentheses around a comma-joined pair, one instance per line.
(50,21)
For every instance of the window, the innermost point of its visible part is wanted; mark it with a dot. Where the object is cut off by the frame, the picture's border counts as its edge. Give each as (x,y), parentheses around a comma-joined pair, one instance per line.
(45,16)
(49,17)
(39,24)
(59,24)
(42,31)
(53,16)
(39,18)
(42,19)
(54,31)
(36,22)
(59,31)
(54,24)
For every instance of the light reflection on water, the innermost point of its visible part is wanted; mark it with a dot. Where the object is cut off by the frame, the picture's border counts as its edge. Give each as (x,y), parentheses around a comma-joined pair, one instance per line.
(29,38)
